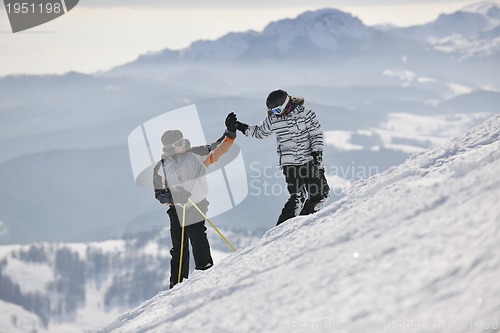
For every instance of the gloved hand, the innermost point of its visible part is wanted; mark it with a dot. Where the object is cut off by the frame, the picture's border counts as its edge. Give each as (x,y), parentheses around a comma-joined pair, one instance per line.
(242,127)
(181,196)
(231,122)
(164,197)
(318,162)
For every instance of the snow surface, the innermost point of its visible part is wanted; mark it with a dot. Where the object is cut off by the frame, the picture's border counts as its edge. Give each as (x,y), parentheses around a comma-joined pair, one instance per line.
(468,47)
(31,277)
(412,249)
(15,319)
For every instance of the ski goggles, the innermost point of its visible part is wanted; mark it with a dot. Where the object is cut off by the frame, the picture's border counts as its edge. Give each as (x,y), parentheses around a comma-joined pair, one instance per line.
(177,144)
(279,109)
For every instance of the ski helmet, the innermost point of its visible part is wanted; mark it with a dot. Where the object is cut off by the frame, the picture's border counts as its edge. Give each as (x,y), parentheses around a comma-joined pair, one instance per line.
(277,102)
(173,142)
(276,98)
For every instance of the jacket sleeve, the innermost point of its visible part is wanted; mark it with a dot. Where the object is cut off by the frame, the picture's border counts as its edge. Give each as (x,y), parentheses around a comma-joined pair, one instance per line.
(201,150)
(260,131)
(315,133)
(162,193)
(219,148)
(205,150)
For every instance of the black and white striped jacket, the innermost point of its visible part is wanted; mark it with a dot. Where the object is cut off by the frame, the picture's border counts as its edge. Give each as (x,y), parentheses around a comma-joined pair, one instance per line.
(297,134)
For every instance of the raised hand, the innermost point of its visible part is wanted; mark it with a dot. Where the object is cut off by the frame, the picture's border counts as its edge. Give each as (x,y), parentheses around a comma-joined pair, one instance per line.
(231,121)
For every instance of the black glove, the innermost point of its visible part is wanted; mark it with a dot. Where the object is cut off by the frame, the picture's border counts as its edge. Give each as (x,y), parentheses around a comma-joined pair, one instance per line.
(231,122)
(318,167)
(241,127)
(181,196)
(318,159)
(164,197)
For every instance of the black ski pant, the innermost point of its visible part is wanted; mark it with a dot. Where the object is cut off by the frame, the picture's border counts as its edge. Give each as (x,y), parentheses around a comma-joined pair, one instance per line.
(308,190)
(196,234)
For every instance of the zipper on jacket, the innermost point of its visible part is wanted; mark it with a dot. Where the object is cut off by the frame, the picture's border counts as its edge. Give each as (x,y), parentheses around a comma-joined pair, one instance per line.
(279,150)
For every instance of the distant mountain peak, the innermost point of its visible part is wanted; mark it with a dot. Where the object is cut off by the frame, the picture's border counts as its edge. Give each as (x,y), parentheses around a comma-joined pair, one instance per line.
(462,21)
(327,16)
(481,7)
(321,29)
(331,20)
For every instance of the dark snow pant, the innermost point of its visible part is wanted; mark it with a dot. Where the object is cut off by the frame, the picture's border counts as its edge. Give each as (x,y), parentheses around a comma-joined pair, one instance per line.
(196,234)
(308,190)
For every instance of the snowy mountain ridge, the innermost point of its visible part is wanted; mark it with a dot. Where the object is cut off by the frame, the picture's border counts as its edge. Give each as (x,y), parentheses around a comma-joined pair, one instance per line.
(310,34)
(414,247)
(318,33)
(322,28)
(469,32)
(485,8)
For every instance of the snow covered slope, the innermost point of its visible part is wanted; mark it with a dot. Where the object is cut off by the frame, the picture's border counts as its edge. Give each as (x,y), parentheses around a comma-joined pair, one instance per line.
(412,249)
(15,319)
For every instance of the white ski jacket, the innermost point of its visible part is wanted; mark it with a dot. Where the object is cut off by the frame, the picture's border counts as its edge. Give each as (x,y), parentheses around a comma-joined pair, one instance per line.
(188,171)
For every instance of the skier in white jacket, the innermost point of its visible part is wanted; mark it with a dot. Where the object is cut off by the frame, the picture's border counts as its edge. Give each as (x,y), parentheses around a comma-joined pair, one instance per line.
(179,178)
(300,150)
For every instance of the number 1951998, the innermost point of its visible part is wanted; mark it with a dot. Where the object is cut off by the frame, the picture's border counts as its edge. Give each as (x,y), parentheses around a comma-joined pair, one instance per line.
(31,8)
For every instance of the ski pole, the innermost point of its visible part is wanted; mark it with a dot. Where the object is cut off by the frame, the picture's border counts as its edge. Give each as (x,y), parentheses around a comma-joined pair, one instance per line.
(213,225)
(182,242)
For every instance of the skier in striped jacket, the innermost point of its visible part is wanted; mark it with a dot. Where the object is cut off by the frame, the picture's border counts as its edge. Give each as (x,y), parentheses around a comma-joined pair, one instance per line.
(300,150)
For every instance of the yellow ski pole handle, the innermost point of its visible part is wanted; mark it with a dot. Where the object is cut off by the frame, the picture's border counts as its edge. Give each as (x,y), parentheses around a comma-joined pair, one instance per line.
(213,225)
(182,243)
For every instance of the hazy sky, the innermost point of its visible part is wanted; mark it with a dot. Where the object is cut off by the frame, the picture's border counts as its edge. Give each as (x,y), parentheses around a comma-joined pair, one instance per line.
(98,34)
